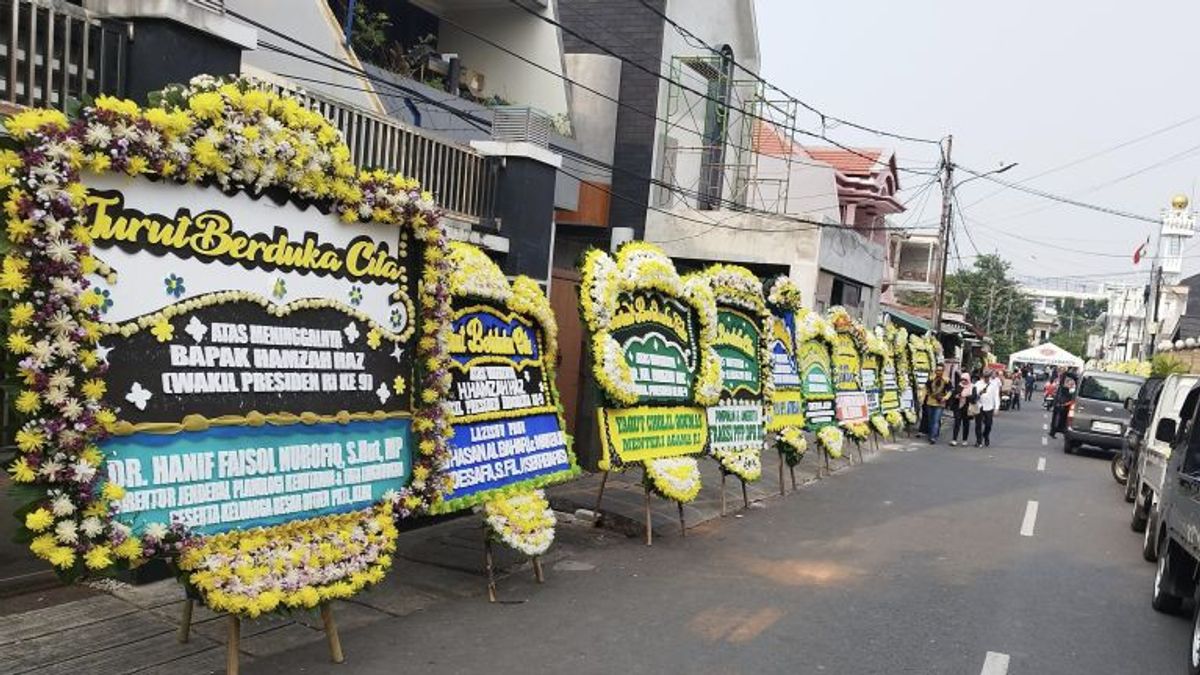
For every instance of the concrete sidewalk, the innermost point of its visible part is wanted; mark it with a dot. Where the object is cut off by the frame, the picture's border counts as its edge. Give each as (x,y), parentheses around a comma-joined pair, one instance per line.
(116,628)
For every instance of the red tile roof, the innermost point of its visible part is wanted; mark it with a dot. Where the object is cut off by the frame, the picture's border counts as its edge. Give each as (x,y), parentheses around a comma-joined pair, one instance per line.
(770,140)
(861,162)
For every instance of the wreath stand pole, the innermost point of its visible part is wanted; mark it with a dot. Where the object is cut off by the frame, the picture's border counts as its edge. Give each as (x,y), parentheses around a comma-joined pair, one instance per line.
(722,494)
(745,497)
(599,496)
(232,645)
(792,470)
(538,574)
(828,471)
(682,524)
(877,445)
(858,446)
(649,528)
(331,634)
(487,565)
(185,622)
(781,488)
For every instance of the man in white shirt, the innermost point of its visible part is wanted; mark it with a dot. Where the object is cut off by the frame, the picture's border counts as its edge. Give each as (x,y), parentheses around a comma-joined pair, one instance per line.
(989,401)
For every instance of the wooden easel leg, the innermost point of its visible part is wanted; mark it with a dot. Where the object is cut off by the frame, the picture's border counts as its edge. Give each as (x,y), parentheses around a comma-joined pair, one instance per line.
(538,574)
(649,527)
(858,446)
(185,621)
(599,496)
(745,496)
(782,491)
(233,645)
(722,494)
(487,565)
(682,524)
(331,634)
(792,469)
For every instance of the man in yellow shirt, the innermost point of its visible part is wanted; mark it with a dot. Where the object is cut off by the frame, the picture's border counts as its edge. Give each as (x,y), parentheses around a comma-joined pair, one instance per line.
(937,391)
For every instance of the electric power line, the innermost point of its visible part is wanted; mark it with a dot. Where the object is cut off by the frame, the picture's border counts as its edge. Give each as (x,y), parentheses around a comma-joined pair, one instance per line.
(1058,198)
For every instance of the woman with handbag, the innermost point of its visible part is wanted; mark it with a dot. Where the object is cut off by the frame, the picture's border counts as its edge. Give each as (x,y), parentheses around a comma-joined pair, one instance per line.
(966,406)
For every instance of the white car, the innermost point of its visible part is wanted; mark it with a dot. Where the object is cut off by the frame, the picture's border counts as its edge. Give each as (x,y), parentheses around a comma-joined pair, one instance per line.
(1153,457)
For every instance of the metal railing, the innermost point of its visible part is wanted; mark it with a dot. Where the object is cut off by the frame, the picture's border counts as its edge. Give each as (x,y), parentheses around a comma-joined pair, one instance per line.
(462,180)
(52,53)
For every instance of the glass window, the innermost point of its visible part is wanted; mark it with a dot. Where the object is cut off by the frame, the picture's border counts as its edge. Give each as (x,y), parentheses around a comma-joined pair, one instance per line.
(1109,389)
(1173,245)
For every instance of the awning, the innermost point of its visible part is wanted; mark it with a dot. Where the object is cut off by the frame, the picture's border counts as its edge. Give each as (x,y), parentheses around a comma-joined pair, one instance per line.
(912,322)
(1048,354)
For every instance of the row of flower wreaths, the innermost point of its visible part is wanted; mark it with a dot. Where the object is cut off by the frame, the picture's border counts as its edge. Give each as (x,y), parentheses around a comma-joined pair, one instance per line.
(642,266)
(238,134)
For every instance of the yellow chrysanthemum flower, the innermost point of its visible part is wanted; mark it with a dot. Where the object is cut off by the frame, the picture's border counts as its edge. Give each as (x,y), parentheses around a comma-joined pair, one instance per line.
(117,105)
(39,520)
(21,472)
(129,549)
(113,492)
(21,314)
(28,402)
(30,440)
(94,389)
(98,557)
(19,342)
(207,105)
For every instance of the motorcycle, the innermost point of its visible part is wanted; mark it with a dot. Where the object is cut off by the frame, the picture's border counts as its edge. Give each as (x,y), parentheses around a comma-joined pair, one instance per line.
(1005,401)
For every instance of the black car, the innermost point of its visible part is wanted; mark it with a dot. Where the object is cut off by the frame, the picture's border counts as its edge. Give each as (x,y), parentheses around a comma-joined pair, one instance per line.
(1142,409)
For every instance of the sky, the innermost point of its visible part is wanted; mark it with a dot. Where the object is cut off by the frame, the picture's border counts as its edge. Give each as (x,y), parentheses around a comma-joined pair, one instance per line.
(1042,83)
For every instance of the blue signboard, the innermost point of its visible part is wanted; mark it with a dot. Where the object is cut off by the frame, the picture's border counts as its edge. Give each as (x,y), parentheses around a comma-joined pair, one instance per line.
(490,455)
(230,478)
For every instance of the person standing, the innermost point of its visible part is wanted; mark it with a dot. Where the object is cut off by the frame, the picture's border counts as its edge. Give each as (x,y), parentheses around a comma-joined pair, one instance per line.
(989,400)
(937,392)
(1029,380)
(1064,394)
(963,404)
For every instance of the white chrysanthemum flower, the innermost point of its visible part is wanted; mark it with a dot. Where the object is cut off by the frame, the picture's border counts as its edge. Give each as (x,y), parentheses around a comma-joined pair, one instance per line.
(50,469)
(92,527)
(61,379)
(155,532)
(66,532)
(97,134)
(62,506)
(60,250)
(84,471)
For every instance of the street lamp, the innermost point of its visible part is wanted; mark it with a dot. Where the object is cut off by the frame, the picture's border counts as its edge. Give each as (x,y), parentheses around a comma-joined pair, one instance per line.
(948,189)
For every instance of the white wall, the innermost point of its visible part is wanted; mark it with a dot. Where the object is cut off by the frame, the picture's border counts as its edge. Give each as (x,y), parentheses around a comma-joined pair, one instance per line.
(505,75)
(795,247)
(594,117)
(310,22)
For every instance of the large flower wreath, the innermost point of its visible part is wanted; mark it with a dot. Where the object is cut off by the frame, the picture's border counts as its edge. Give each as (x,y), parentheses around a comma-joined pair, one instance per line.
(737,286)
(239,135)
(516,515)
(641,265)
(783,295)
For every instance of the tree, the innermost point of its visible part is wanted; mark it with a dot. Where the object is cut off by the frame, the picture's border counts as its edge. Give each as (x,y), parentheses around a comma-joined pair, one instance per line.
(992,300)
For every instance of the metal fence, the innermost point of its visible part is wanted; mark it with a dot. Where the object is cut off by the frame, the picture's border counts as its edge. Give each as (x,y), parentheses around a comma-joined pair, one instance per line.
(52,52)
(462,179)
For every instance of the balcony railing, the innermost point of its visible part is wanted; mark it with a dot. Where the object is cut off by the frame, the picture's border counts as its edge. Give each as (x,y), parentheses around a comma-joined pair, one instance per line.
(52,53)
(462,179)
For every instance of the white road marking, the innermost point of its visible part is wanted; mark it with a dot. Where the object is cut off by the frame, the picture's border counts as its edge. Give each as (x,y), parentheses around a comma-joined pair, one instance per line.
(995,663)
(1044,441)
(1041,463)
(1027,524)
(1045,427)
(1045,415)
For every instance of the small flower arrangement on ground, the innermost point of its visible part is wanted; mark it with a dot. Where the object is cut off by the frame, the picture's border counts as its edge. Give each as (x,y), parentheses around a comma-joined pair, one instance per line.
(523,521)
(880,423)
(894,418)
(859,431)
(792,443)
(831,440)
(743,462)
(675,478)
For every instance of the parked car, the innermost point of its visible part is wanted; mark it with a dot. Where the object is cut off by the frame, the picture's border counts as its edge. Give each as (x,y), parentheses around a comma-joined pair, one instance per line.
(1098,416)
(1142,410)
(1147,478)
(1178,527)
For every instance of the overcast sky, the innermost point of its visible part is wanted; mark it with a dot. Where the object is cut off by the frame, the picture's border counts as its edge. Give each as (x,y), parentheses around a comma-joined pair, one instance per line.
(1043,83)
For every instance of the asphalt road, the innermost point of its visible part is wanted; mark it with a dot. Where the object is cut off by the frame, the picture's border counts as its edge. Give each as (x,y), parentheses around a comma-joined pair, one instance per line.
(913,563)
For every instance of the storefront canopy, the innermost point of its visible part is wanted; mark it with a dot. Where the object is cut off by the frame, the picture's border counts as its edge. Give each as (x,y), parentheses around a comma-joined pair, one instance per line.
(1048,354)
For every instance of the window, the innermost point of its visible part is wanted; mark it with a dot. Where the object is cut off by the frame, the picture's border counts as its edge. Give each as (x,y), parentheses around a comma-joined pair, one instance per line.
(1173,246)
(1187,416)
(1108,389)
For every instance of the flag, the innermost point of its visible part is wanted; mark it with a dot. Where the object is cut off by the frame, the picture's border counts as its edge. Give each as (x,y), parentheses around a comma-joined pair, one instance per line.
(1141,251)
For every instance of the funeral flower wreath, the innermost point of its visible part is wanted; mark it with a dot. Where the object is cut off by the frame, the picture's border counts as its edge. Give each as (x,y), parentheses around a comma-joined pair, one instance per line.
(239,135)
(783,295)
(737,286)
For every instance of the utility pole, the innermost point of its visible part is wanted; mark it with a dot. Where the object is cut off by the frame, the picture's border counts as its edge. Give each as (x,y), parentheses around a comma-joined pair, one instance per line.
(943,236)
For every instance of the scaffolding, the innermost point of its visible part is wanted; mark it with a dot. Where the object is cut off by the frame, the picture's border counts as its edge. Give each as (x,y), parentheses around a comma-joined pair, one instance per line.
(709,154)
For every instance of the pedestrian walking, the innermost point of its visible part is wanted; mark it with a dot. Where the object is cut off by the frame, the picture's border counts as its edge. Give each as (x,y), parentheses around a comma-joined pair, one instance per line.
(1016,382)
(1064,394)
(966,405)
(937,392)
(988,389)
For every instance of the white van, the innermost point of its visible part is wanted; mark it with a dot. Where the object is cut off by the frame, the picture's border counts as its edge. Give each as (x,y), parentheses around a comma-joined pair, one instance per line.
(1152,460)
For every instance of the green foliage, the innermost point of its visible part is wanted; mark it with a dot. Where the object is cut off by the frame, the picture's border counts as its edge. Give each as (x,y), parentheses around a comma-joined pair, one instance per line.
(993,301)
(1162,365)
(369,36)
(1072,341)
(915,298)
